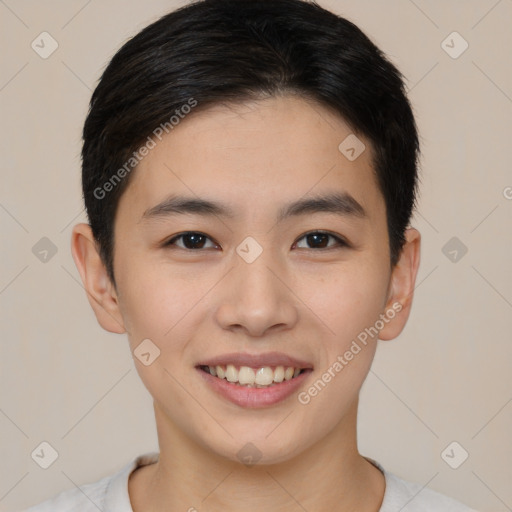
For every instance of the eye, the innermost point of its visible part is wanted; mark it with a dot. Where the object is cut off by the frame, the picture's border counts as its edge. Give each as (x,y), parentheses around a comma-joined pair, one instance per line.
(191,240)
(320,240)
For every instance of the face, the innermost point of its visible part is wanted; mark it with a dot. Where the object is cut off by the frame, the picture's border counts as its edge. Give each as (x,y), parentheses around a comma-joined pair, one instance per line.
(247,240)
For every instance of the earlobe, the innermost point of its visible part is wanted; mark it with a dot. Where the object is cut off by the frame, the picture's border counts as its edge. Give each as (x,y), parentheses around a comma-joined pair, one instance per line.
(402,284)
(100,289)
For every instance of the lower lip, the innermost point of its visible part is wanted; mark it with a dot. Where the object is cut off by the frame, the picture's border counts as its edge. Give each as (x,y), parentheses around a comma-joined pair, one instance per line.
(253,398)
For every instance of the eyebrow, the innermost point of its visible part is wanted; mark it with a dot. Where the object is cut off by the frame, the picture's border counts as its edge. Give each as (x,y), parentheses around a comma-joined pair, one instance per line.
(340,203)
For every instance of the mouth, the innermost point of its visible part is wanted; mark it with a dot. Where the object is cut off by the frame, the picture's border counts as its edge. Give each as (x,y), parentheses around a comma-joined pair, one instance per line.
(262,377)
(254,381)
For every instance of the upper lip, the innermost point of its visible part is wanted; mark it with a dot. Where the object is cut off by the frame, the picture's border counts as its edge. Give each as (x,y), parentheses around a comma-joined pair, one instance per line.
(256,360)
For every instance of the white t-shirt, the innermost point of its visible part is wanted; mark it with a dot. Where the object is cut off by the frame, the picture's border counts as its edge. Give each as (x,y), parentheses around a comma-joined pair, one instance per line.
(110,494)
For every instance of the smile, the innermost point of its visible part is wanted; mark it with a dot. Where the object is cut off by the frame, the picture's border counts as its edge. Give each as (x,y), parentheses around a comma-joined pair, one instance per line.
(254,380)
(262,377)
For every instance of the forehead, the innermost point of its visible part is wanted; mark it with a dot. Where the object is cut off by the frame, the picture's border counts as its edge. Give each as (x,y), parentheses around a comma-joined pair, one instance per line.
(254,155)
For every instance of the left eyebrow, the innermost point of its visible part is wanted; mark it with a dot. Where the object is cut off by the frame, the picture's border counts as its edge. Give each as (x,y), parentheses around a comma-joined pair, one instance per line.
(340,203)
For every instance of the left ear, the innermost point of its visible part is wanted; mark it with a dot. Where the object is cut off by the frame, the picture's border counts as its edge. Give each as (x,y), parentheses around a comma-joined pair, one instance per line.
(401,286)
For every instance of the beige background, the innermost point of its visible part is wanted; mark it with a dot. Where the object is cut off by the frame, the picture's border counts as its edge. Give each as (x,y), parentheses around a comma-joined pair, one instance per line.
(447,378)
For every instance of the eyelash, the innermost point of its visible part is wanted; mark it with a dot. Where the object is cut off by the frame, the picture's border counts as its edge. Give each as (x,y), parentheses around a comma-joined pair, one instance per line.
(340,242)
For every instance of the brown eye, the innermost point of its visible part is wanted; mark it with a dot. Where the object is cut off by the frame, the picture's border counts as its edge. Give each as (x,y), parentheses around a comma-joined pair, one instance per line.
(191,241)
(320,240)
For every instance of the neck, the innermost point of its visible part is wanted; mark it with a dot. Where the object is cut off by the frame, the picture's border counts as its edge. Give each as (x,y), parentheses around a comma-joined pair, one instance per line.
(329,475)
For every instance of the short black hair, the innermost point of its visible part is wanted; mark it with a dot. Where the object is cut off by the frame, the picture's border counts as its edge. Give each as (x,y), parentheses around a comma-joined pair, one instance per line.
(231,51)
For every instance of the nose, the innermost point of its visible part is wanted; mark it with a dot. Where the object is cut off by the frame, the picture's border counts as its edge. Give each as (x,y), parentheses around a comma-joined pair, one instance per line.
(256,298)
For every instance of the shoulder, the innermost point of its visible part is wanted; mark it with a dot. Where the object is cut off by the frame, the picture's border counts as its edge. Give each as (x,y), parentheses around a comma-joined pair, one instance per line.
(413,497)
(87,498)
(110,493)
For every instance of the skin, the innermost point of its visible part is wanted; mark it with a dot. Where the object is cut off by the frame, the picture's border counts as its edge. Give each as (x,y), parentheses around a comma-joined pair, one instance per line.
(297,298)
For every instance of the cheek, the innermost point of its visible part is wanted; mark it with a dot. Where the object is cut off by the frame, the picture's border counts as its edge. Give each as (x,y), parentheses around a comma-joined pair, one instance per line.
(349,304)
(348,300)
(152,302)
(157,309)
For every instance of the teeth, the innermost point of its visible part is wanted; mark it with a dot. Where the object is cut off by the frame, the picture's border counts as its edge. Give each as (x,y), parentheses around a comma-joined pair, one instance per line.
(246,376)
(279,374)
(231,373)
(264,376)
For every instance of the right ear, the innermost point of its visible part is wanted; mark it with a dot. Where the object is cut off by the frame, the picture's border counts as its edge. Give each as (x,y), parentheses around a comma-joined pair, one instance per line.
(100,289)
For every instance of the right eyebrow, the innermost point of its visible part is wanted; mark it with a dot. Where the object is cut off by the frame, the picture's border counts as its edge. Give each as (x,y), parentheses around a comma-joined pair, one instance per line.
(176,205)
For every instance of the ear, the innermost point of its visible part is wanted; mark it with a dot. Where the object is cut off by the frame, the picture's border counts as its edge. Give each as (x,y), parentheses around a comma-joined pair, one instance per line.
(100,290)
(401,286)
